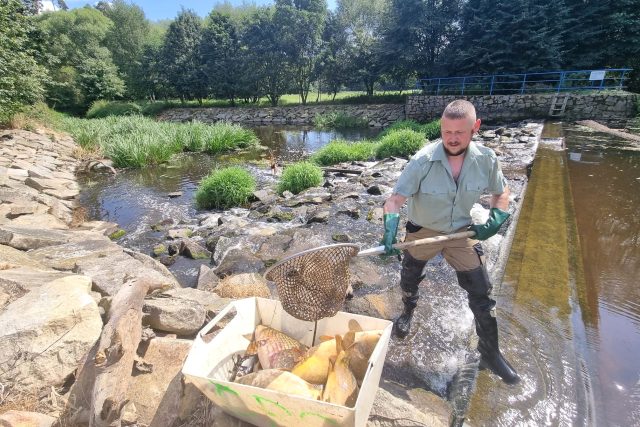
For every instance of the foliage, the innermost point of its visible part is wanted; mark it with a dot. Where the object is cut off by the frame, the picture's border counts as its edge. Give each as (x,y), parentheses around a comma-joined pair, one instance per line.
(100,109)
(299,176)
(400,143)
(344,151)
(339,120)
(430,130)
(225,188)
(20,77)
(136,141)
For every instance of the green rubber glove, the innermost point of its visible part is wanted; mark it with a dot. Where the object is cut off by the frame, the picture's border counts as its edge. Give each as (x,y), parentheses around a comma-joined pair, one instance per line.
(391,221)
(497,217)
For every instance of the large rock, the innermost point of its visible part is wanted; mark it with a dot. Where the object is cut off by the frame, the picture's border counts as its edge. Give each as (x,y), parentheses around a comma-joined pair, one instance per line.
(11,258)
(212,302)
(237,261)
(243,286)
(175,315)
(39,221)
(26,419)
(159,396)
(66,256)
(153,264)
(30,238)
(207,279)
(45,333)
(192,250)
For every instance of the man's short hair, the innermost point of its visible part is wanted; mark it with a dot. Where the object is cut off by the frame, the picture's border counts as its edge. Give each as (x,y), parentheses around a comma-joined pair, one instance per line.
(460,109)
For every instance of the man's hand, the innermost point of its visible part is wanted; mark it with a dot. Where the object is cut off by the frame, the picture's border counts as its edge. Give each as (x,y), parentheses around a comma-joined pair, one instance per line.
(391,221)
(497,217)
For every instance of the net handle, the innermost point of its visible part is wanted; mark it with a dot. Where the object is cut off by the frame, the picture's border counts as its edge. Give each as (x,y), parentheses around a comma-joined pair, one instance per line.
(426,241)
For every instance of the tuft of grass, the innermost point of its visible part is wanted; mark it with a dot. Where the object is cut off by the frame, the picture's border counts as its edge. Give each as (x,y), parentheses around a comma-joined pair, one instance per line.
(400,143)
(136,141)
(101,108)
(431,130)
(339,120)
(344,151)
(225,188)
(300,176)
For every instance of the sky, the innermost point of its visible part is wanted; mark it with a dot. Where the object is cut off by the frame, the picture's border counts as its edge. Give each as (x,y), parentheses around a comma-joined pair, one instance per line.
(156,10)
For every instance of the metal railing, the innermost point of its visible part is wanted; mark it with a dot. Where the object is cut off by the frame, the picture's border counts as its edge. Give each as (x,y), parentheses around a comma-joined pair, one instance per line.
(522,83)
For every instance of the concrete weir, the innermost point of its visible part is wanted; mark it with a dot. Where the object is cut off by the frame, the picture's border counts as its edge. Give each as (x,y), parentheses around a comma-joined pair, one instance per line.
(42,241)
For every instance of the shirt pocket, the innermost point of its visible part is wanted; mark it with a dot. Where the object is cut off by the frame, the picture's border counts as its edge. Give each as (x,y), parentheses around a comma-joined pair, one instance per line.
(436,199)
(475,188)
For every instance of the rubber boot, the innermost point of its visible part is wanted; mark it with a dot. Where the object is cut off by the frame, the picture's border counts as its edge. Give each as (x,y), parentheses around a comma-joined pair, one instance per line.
(476,283)
(402,324)
(410,278)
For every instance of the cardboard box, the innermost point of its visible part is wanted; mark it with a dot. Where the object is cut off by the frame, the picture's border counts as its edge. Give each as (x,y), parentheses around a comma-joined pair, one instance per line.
(209,365)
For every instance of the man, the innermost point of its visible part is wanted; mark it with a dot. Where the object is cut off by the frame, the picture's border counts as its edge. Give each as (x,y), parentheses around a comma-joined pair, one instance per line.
(442,182)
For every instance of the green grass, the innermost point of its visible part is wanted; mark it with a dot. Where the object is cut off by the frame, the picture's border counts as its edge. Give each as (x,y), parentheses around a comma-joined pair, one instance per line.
(300,176)
(339,120)
(137,141)
(431,130)
(400,143)
(102,108)
(225,188)
(344,151)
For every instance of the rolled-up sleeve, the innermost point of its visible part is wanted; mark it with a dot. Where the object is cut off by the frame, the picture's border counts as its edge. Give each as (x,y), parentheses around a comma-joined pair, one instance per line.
(409,181)
(497,181)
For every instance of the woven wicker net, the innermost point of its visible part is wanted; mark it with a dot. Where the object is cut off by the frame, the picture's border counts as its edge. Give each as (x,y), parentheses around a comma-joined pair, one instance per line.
(313,283)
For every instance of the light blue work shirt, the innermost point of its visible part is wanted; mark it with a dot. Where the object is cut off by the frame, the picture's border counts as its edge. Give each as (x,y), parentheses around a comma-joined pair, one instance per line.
(436,201)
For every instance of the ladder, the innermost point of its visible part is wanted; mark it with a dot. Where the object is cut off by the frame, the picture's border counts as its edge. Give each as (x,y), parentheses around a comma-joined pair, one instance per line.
(558,104)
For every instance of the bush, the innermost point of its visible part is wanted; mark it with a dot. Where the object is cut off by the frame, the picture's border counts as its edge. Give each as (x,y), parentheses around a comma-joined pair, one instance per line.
(400,143)
(339,120)
(100,109)
(225,188)
(138,149)
(300,176)
(344,151)
(224,136)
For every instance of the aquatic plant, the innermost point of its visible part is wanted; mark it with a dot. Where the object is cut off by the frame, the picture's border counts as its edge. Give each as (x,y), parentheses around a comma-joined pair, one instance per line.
(300,176)
(338,120)
(431,130)
(339,151)
(400,143)
(224,136)
(225,188)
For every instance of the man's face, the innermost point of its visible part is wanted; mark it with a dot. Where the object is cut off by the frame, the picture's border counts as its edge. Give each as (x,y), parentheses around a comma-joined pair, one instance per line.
(457,134)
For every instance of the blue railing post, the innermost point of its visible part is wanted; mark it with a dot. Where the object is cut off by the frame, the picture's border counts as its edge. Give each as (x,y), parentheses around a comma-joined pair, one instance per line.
(464,80)
(438,89)
(524,81)
(560,81)
(493,79)
(622,79)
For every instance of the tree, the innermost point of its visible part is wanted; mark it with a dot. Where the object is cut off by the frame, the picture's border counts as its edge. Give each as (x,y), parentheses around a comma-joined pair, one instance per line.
(221,56)
(126,39)
(362,22)
(81,67)
(20,76)
(180,57)
(334,63)
(265,55)
(300,26)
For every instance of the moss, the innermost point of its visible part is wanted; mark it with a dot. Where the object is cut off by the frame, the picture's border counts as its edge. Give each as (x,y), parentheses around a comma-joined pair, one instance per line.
(117,234)
(159,250)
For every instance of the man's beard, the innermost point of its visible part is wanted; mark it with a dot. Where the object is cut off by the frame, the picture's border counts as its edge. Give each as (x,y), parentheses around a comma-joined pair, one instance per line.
(449,153)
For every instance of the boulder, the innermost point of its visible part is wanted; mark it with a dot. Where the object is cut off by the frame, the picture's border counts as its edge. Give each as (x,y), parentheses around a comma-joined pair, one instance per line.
(46,333)
(238,261)
(153,264)
(12,258)
(211,301)
(320,216)
(158,396)
(192,250)
(65,256)
(243,286)
(39,221)
(207,279)
(179,233)
(175,315)
(29,238)
(25,419)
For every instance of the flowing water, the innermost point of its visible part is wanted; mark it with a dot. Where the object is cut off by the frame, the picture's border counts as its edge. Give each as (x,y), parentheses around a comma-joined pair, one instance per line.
(135,199)
(569,311)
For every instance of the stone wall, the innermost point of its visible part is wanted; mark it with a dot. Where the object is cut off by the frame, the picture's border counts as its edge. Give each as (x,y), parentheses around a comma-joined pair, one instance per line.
(597,106)
(377,115)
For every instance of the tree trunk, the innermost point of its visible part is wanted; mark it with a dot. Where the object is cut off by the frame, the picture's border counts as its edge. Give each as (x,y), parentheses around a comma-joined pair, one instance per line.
(114,357)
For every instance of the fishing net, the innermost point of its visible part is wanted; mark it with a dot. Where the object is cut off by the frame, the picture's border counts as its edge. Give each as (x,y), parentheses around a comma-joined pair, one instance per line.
(312,284)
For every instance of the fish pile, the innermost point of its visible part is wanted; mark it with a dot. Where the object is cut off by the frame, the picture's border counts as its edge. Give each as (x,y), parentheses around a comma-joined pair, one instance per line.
(331,371)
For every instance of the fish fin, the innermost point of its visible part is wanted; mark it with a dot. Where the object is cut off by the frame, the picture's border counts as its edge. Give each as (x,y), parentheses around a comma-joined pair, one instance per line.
(354,326)
(338,344)
(324,338)
(348,340)
(252,349)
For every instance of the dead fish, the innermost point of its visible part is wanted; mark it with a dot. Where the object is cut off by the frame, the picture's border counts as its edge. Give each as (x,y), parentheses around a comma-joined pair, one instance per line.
(359,347)
(275,349)
(341,387)
(283,381)
(314,367)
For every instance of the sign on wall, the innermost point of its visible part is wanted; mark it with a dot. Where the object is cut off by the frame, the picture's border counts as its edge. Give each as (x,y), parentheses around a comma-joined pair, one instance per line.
(597,75)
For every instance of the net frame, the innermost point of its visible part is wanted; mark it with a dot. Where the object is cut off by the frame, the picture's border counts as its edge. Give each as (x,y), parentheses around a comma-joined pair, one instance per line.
(312,284)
